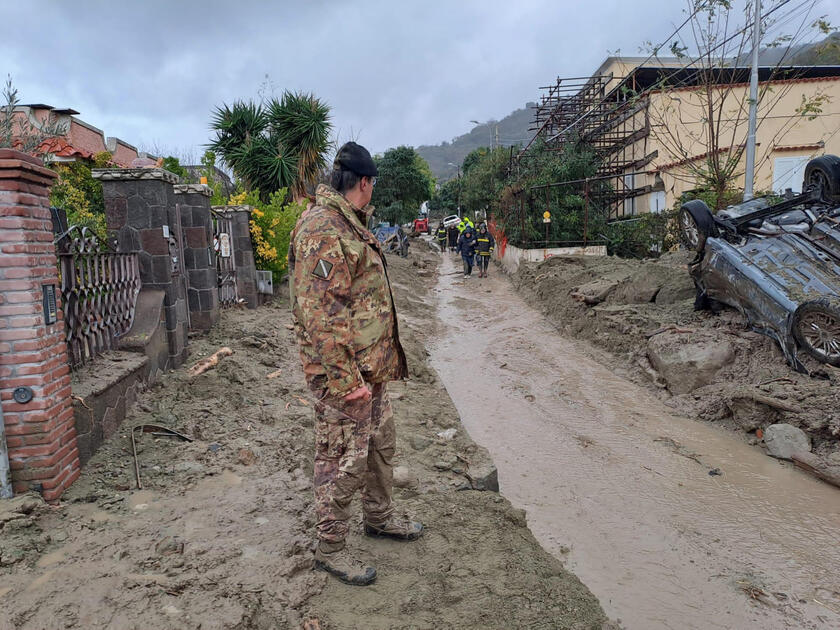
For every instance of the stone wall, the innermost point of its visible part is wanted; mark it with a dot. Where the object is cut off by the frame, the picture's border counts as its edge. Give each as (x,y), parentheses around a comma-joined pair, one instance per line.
(199,257)
(102,393)
(34,367)
(141,214)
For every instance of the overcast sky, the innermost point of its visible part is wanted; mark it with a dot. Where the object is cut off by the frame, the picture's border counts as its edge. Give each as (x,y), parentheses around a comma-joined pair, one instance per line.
(394,72)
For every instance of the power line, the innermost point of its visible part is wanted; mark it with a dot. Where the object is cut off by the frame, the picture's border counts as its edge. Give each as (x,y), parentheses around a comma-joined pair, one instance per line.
(655,50)
(692,62)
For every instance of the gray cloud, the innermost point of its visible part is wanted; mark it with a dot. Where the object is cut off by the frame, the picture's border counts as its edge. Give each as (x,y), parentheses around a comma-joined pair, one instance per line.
(396,72)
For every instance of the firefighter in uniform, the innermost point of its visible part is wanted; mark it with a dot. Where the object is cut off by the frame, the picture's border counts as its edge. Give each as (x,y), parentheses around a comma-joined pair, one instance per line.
(485,244)
(440,234)
(346,327)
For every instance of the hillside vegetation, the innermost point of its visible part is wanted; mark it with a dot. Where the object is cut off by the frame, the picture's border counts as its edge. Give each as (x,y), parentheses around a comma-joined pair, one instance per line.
(513,129)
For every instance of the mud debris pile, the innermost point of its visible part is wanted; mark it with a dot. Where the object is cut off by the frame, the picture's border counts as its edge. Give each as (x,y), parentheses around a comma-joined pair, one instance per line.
(706,365)
(220,535)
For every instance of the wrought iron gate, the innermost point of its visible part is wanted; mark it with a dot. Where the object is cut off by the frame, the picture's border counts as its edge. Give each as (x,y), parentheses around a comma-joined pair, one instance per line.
(99,290)
(225,263)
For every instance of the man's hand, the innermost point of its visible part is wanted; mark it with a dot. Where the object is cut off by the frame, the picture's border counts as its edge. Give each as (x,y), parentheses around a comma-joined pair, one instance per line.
(363,393)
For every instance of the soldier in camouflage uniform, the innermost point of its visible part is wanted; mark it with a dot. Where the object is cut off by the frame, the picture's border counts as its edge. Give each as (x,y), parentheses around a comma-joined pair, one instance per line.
(346,326)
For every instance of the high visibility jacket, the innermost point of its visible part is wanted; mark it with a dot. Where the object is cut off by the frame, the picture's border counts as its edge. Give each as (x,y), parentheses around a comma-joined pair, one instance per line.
(485,243)
(441,233)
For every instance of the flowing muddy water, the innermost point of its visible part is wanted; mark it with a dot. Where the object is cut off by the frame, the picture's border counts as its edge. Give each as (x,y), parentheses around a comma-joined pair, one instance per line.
(619,487)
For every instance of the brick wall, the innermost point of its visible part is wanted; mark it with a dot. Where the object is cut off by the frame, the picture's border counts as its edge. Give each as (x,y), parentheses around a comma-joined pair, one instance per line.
(40,433)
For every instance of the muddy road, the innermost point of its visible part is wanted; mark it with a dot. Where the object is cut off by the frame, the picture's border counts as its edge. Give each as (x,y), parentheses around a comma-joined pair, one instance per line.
(671,522)
(220,536)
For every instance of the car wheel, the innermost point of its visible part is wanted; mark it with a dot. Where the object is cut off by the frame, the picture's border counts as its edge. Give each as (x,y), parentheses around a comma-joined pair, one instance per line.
(816,329)
(824,173)
(696,224)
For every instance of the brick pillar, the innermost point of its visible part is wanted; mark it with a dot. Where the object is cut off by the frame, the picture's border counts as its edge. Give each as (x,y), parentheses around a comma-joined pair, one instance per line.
(40,433)
(140,211)
(199,257)
(243,252)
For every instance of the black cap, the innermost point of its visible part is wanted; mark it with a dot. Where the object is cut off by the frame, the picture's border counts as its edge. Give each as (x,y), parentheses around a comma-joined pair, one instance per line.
(354,157)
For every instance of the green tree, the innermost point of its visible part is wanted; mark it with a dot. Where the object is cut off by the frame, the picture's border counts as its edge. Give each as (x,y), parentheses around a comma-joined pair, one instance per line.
(279,145)
(521,205)
(445,200)
(484,177)
(208,170)
(402,185)
(173,165)
(79,194)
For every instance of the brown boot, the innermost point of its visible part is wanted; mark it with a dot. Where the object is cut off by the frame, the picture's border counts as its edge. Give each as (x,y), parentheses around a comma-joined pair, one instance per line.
(395,528)
(336,559)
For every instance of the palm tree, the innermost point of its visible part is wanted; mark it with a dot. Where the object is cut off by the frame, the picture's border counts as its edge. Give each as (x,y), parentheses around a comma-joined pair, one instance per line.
(302,121)
(280,145)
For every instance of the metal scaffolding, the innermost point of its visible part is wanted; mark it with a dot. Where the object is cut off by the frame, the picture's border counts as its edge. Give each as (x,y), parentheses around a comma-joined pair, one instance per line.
(611,117)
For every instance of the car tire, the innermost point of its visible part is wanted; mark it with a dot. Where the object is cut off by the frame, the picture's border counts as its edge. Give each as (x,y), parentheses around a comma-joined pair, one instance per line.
(816,328)
(824,172)
(696,224)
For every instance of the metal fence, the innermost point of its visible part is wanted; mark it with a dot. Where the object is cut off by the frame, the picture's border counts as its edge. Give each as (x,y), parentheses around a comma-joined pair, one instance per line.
(99,290)
(225,260)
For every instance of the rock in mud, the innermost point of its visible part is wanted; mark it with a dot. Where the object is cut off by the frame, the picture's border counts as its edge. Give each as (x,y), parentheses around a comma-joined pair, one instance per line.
(403,478)
(688,362)
(419,442)
(750,414)
(484,477)
(783,440)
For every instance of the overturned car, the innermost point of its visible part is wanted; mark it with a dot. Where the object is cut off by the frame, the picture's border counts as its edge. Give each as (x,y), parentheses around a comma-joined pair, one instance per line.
(777,263)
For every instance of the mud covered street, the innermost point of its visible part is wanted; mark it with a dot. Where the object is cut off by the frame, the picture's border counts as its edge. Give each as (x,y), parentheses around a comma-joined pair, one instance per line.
(219,536)
(704,365)
(672,522)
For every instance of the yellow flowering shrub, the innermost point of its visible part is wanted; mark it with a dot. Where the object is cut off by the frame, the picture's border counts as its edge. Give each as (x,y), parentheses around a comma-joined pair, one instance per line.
(271,226)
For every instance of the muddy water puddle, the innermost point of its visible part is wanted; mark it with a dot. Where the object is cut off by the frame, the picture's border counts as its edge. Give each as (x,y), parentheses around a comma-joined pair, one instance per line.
(671,522)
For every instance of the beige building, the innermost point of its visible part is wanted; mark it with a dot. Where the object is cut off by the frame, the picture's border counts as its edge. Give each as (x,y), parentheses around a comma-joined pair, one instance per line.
(648,121)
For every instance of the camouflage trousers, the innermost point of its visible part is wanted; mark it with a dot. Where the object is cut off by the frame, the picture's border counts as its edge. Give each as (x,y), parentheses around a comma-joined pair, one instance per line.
(354,450)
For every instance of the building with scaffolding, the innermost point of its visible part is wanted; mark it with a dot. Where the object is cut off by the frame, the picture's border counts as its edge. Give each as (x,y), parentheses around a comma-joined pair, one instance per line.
(647,120)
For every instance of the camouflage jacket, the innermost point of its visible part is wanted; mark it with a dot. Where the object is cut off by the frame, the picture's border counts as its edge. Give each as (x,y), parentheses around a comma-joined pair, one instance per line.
(341,299)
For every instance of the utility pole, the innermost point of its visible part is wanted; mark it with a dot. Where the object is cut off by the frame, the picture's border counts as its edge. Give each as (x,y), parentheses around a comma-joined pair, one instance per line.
(749,173)
(459,191)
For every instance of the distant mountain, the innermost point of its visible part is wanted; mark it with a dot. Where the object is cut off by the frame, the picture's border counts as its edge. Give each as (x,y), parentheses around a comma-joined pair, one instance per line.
(510,130)
(824,53)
